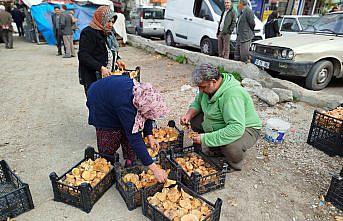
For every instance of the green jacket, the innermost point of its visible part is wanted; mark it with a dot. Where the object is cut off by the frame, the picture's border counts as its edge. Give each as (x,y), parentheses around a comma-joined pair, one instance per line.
(229,22)
(227,113)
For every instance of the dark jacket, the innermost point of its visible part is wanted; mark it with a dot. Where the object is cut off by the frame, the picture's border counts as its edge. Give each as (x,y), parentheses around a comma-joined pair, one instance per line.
(92,54)
(17,15)
(56,25)
(6,20)
(271,29)
(246,25)
(67,24)
(110,104)
(229,22)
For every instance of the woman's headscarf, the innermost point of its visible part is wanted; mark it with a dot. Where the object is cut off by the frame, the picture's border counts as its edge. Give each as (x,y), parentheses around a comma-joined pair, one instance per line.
(101,17)
(149,104)
(272,16)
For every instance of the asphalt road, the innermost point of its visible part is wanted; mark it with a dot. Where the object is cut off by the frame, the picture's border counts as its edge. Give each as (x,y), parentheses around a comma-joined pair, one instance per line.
(335,87)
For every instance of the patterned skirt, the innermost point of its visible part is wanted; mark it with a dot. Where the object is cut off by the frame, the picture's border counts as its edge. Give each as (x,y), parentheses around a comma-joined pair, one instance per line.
(109,141)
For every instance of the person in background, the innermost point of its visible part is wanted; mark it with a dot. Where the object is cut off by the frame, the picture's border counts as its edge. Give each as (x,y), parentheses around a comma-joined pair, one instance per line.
(96,48)
(223,114)
(74,19)
(67,32)
(6,27)
(271,28)
(245,31)
(334,9)
(120,108)
(18,18)
(226,26)
(56,22)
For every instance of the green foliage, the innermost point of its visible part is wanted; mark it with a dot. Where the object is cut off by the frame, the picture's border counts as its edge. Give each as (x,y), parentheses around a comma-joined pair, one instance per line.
(182,59)
(234,74)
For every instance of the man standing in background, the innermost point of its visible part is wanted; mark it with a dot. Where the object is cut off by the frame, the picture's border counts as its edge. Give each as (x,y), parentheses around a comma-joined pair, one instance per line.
(18,18)
(56,22)
(245,31)
(6,27)
(226,26)
(67,32)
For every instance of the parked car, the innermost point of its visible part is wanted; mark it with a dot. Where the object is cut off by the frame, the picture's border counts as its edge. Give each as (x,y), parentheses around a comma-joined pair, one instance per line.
(315,53)
(194,23)
(291,24)
(146,21)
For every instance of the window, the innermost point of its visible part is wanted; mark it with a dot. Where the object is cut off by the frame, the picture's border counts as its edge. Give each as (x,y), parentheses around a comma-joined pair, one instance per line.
(218,6)
(201,10)
(152,13)
(307,21)
(290,25)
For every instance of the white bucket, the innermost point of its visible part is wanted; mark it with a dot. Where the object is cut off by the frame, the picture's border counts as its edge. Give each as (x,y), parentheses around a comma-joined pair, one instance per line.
(276,130)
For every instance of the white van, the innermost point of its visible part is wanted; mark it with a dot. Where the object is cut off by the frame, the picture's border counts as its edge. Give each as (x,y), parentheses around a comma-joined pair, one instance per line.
(147,21)
(194,23)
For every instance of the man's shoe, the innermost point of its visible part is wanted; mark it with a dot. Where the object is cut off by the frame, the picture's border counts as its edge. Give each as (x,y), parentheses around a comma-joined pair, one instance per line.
(73,55)
(66,56)
(58,54)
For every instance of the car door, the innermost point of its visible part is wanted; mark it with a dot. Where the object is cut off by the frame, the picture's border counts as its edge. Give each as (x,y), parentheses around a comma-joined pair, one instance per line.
(202,23)
(289,26)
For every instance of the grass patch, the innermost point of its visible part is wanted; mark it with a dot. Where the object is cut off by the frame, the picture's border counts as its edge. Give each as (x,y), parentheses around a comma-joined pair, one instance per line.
(234,73)
(182,59)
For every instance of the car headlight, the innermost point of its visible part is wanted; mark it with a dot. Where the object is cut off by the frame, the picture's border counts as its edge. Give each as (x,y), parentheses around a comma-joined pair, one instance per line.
(284,53)
(253,47)
(290,54)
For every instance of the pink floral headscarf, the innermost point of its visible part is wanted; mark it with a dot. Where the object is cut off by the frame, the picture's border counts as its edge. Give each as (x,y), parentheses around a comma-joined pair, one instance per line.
(149,104)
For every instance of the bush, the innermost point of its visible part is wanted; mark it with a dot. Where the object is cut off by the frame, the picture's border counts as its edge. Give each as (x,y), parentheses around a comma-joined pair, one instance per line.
(182,59)
(234,74)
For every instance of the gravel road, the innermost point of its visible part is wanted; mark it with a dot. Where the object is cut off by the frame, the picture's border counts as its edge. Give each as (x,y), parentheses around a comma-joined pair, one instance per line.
(44,128)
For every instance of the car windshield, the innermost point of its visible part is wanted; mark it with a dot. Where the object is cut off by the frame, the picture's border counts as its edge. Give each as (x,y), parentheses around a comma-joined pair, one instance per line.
(218,6)
(307,21)
(153,13)
(331,23)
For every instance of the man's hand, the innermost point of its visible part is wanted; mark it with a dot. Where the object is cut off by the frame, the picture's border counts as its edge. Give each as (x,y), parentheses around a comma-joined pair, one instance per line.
(153,143)
(105,72)
(197,139)
(160,174)
(185,120)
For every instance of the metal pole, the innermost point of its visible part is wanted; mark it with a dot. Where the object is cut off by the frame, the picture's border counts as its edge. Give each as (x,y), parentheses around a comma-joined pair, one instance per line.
(314,7)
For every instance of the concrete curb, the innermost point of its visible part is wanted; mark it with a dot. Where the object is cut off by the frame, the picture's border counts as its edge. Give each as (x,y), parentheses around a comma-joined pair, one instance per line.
(314,98)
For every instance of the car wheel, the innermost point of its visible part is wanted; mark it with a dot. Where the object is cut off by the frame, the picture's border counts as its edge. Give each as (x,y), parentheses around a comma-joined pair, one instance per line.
(169,39)
(206,46)
(320,75)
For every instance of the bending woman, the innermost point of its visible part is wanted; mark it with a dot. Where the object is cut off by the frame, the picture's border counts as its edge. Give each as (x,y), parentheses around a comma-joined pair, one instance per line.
(120,108)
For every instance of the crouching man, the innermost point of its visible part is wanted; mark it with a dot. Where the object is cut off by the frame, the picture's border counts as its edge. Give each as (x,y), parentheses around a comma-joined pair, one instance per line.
(223,114)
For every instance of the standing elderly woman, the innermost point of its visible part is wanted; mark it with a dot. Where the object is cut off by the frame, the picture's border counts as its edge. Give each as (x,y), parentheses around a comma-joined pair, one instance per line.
(120,108)
(98,49)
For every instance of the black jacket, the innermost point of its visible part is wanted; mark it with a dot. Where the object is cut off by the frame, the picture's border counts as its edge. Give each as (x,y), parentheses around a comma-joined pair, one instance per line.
(92,54)
(17,15)
(229,22)
(271,29)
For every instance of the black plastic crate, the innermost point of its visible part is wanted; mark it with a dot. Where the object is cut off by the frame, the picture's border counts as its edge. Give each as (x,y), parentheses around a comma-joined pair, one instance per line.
(15,196)
(326,134)
(84,196)
(126,73)
(335,191)
(128,191)
(200,184)
(175,145)
(155,215)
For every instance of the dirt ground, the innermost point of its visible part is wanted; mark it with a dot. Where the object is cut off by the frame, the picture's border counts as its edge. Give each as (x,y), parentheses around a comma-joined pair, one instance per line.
(44,129)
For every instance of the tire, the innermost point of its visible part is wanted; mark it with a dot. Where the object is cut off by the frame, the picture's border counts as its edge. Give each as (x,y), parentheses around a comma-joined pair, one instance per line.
(272,73)
(320,75)
(206,46)
(169,39)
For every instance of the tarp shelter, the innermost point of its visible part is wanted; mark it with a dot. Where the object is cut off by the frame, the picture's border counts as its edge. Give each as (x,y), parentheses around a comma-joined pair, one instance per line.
(42,16)
(42,13)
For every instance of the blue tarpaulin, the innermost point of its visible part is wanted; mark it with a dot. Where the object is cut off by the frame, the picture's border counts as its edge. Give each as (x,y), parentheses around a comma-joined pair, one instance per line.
(42,16)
